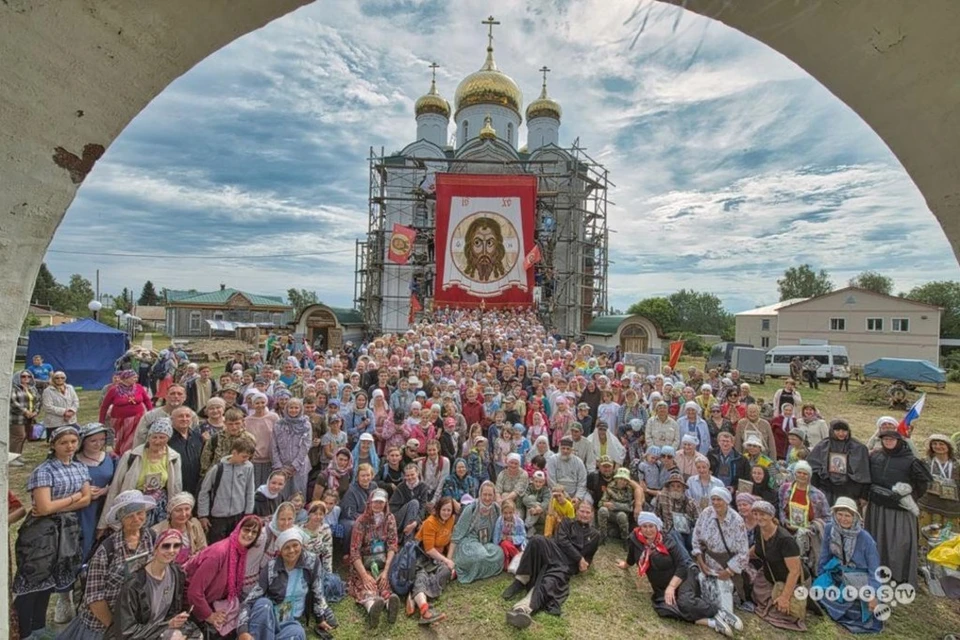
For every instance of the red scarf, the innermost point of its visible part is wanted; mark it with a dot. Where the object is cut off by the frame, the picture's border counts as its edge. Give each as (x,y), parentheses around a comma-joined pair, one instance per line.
(644,564)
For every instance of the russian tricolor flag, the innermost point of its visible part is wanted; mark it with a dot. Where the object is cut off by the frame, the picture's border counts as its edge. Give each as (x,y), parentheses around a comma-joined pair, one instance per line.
(912,414)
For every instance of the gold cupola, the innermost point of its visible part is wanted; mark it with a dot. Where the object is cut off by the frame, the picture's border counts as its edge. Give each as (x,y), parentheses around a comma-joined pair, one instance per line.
(544,106)
(488,132)
(432,101)
(489,85)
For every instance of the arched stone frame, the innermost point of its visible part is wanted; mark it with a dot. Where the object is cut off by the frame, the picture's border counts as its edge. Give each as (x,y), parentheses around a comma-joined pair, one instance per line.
(634,337)
(67,99)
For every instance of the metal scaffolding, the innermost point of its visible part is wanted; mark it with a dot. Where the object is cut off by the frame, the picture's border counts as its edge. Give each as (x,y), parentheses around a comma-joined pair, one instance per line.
(571,229)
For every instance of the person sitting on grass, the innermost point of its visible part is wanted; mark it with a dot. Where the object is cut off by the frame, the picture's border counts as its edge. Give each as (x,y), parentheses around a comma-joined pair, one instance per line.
(373,544)
(547,564)
(436,569)
(673,578)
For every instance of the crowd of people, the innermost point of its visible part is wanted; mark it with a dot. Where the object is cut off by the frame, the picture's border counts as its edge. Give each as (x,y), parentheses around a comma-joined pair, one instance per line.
(473,444)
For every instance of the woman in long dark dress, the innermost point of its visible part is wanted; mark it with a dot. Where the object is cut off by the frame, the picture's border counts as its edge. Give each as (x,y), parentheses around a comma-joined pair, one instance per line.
(889,521)
(673,577)
(841,464)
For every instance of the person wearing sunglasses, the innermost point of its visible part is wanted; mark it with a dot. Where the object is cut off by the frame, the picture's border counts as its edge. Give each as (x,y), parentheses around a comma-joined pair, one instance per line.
(24,408)
(153,598)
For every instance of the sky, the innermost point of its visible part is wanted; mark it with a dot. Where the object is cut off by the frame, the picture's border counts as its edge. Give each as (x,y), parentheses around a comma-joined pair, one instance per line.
(731,164)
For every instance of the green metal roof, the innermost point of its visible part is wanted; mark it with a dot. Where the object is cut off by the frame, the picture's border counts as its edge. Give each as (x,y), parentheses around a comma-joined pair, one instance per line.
(222,296)
(605,325)
(347,316)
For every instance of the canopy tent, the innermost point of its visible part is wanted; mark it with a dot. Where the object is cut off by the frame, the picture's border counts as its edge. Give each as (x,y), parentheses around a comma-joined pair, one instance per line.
(86,350)
(908,370)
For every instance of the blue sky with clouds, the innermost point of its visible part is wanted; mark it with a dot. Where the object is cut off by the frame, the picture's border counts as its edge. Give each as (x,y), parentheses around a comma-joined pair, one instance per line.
(731,163)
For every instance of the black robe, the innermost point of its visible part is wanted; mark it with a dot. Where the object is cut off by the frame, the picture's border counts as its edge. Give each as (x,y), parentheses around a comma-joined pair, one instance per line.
(855,483)
(550,563)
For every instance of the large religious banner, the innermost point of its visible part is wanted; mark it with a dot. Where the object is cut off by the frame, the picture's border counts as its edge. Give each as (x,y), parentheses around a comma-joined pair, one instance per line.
(484,232)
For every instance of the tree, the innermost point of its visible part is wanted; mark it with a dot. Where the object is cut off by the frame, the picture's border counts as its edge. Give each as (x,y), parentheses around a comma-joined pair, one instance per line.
(803,282)
(945,294)
(124,302)
(301,299)
(79,294)
(657,309)
(47,291)
(148,296)
(699,312)
(873,281)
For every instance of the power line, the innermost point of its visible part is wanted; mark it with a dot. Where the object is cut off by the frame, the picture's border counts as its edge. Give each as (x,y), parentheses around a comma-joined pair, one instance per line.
(203,256)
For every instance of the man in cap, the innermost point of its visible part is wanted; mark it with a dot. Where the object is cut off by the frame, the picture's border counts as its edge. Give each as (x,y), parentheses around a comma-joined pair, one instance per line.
(598,479)
(582,447)
(567,470)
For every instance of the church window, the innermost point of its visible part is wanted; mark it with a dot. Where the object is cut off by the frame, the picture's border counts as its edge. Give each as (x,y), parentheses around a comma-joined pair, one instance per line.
(510,132)
(466,130)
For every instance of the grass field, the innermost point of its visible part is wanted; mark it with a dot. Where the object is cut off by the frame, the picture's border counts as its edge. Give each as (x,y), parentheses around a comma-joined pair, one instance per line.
(609,603)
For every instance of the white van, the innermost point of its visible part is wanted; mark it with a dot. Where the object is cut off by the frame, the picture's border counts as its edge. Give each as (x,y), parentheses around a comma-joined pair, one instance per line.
(834,362)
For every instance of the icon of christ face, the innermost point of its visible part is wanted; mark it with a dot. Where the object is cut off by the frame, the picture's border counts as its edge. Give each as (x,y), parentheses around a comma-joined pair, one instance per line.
(485,250)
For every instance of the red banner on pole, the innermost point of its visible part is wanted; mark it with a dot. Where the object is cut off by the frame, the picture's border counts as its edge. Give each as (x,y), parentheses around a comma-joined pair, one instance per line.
(533,257)
(401,244)
(415,308)
(484,233)
(676,349)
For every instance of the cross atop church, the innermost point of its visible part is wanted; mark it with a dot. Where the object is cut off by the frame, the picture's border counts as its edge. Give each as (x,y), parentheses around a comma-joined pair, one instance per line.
(544,70)
(433,67)
(490,22)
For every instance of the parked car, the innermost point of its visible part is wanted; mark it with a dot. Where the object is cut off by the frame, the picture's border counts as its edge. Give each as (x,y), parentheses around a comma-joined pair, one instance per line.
(834,362)
(22,343)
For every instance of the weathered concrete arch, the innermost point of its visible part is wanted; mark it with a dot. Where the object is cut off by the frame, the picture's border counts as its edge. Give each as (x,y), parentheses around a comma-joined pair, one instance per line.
(75,72)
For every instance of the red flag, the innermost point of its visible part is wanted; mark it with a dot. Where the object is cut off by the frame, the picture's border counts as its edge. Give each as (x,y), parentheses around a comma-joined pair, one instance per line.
(401,244)
(415,307)
(533,257)
(676,348)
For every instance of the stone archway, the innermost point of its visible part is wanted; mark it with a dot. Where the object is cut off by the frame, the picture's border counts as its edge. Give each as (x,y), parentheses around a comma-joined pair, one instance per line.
(75,73)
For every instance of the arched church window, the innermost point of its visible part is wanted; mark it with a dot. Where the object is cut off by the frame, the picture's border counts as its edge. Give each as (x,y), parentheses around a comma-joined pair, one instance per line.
(466,131)
(510,132)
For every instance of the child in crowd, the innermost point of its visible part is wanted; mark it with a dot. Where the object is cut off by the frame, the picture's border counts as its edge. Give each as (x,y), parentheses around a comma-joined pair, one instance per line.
(560,507)
(536,501)
(227,491)
(510,533)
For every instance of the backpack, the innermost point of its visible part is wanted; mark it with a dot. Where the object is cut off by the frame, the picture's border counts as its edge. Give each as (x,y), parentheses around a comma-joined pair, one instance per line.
(218,476)
(159,369)
(403,569)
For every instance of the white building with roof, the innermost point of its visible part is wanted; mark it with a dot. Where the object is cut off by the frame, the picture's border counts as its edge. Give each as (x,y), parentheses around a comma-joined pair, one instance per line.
(759,326)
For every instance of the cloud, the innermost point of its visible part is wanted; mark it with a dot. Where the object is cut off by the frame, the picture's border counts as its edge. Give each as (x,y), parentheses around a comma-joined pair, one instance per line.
(731,163)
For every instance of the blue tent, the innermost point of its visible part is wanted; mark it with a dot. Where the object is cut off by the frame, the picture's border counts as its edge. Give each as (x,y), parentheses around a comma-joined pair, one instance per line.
(85,350)
(922,371)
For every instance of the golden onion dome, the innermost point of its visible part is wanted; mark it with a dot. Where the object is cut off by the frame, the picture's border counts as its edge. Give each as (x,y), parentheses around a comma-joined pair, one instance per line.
(488,132)
(432,102)
(544,106)
(489,85)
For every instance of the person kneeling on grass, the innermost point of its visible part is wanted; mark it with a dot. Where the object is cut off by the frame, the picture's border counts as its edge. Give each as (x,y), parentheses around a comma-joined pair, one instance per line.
(673,577)
(547,564)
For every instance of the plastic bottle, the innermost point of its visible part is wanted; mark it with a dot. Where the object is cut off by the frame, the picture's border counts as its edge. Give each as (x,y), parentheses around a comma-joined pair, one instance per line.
(375,571)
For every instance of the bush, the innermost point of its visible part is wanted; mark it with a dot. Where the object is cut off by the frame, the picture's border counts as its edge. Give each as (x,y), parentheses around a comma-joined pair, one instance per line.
(693,345)
(953,375)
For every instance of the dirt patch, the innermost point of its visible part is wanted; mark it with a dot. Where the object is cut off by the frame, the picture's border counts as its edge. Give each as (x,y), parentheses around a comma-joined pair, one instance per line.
(877,393)
(213,349)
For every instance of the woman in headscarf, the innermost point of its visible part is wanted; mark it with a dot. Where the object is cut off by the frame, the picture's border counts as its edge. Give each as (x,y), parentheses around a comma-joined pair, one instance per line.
(459,484)
(692,424)
(339,472)
(541,447)
(111,564)
(436,568)
(193,539)
(800,502)
(763,488)
(373,545)
(125,403)
(720,541)
(48,549)
(60,403)
(364,452)
(592,397)
(475,555)
(841,464)
(167,369)
(292,437)
(632,409)
(849,557)
(939,506)
(215,578)
(25,402)
(897,475)
(676,590)
(153,468)
(152,601)
(101,467)
(780,574)
(383,424)
(288,590)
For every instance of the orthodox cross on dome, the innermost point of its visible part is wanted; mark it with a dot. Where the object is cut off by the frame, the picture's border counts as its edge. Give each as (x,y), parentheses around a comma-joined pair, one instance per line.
(544,70)
(433,67)
(490,22)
